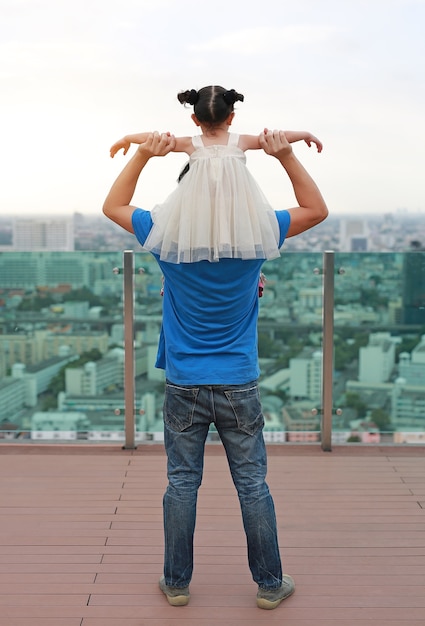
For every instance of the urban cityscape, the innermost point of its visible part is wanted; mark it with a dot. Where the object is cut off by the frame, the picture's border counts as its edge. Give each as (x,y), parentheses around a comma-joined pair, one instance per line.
(62,333)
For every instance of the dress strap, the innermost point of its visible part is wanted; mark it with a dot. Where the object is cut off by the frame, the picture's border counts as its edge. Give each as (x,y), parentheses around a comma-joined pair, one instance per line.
(197,141)
(233,139)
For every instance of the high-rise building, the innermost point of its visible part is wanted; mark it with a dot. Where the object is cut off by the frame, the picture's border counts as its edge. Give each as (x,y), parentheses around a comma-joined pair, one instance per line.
(412,367)
(377,359)
(43,234)
(413,277)
(354,235)
(306,375)
(94,378)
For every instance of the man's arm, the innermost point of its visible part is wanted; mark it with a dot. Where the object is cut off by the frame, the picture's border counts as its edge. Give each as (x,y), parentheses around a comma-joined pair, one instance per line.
(312,208)
(117,203)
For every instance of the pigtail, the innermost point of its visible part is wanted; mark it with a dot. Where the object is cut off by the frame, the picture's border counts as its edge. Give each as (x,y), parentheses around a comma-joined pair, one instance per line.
(232,96)
(190,96)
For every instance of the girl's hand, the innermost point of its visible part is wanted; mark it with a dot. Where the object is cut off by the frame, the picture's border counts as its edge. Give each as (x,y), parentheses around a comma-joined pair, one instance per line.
(309,139)
(121,144)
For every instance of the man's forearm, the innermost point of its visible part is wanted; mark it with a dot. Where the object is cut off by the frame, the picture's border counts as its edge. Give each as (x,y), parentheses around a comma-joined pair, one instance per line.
(306,191)
(117,203)
(122,191)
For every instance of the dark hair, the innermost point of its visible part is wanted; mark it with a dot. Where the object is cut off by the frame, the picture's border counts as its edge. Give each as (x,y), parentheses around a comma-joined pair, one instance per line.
(184,171)
(211,105)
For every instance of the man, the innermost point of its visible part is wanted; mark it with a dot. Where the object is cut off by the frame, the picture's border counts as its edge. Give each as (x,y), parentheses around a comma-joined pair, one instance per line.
(208,348)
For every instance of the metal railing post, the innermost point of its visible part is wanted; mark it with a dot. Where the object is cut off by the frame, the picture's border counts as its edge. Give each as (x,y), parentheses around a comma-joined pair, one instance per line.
(328,349)
(129,349)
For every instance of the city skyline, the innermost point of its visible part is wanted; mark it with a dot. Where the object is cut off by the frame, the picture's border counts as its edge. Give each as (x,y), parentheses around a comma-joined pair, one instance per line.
(390,232)
(77,76)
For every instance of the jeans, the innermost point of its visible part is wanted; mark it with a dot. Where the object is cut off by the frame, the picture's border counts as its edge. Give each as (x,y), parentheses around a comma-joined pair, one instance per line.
(237,415)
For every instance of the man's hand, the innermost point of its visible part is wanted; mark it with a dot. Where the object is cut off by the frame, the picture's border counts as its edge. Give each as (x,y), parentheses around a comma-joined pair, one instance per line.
(274,142)
(157,144)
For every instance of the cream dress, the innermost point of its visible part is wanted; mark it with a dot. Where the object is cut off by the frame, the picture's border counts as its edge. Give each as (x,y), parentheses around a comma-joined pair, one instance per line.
(217,211)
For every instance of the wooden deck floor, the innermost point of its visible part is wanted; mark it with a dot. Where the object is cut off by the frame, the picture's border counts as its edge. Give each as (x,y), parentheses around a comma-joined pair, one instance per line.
(81,538)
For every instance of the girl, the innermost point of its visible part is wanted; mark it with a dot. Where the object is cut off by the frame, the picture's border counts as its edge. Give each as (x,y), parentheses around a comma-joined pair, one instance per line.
(218,210)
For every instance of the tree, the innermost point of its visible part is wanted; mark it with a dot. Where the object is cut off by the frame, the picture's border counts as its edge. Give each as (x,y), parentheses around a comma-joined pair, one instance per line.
(84,294)
(354,401)
(382,420)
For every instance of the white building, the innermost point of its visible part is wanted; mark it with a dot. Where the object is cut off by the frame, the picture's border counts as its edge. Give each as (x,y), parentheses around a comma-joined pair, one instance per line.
(94,377)
(12,397)
(408,406)
(38,377)
(310,298)
(354,235)
(306,375)
(58,425)
(412,367)
(279,381)
(36,234)
(377,359)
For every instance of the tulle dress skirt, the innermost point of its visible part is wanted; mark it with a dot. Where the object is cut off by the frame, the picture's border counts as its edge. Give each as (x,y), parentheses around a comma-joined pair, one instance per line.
(217,211)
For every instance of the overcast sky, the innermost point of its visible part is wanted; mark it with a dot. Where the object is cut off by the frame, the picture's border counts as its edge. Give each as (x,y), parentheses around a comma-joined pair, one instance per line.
(77,75)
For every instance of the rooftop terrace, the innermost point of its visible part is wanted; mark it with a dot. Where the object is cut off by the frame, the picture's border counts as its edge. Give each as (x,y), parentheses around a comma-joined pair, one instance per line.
(81,538)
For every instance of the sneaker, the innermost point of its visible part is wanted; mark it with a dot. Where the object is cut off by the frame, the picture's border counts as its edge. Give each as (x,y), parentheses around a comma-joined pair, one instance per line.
(176,596)
(271,599)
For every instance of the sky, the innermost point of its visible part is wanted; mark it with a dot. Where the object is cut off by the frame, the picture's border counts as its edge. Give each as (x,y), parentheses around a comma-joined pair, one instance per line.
(76,76)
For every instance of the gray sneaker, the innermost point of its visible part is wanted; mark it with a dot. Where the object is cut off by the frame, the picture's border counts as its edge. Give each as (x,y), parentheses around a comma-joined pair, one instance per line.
(176,596)
(271,599)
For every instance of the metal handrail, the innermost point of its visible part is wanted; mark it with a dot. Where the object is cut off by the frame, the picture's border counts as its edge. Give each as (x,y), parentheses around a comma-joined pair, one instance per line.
(129,383)
(328,349)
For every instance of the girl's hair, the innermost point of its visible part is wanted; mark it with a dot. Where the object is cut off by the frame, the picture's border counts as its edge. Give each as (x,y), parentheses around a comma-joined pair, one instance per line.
(212,105)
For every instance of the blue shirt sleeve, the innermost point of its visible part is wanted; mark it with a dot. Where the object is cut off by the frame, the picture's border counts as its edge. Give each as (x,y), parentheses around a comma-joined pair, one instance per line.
(284,220)
(142,224)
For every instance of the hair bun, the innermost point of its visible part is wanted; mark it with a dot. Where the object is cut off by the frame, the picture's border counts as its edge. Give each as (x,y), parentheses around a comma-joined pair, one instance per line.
(193,97)
(190,96)
(231,96)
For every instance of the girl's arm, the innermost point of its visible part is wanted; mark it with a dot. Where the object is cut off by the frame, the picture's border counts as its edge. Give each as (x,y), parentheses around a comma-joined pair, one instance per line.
(182,144)
(302,135)
(252,142)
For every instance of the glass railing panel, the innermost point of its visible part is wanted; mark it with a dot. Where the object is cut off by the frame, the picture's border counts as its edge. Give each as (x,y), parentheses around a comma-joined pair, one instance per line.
(62,337)
(61,356)
(290,348)
(290,321)
(149,380)
(379,342)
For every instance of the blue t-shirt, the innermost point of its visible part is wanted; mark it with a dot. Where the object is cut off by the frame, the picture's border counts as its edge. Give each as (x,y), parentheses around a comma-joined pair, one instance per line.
(210,311)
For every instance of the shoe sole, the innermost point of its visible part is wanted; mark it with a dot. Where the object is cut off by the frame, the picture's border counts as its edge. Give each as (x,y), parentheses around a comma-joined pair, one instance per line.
(177,600)
(269,605)
(262,603)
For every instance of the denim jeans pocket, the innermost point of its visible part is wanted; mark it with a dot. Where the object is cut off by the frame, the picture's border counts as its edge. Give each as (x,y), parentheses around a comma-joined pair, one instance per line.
(179,406)
(246,406)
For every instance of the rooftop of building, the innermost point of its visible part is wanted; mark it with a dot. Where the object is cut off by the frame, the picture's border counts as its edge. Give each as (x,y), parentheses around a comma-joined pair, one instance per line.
(81,538)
